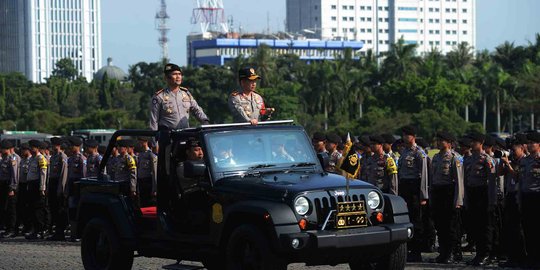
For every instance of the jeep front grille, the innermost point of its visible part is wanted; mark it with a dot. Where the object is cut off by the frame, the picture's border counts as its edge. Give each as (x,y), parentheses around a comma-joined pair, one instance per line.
(324,205)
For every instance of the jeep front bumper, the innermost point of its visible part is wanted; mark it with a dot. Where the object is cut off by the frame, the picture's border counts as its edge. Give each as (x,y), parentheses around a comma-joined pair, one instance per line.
(347,238)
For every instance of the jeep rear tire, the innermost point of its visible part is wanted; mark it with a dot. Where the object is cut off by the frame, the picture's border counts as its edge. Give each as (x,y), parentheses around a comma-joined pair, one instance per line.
(248,249)
(100,247)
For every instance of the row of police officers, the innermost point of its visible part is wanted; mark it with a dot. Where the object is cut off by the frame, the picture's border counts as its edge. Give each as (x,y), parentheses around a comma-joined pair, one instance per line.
(481,186)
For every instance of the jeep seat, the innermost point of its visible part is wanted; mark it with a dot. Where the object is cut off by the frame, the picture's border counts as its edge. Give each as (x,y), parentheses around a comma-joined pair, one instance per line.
(149,212)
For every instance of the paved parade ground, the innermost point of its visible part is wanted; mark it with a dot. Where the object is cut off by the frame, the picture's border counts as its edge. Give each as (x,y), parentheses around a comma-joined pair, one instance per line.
(18,253)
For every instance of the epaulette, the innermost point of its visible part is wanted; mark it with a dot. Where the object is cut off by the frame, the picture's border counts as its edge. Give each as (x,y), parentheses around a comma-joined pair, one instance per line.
(421,150)
(183,88)
(234,93)
(158,92)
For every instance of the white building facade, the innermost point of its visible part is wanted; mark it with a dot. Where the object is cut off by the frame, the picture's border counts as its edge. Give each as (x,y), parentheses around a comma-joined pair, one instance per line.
(440,24)
(35,34)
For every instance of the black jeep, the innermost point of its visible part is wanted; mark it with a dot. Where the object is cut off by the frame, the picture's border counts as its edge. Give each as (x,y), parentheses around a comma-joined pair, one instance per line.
(259,199)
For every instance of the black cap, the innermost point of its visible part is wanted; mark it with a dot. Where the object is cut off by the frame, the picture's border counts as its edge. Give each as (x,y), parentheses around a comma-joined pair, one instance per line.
(34,143)
(91,143)
(501,143)
(171,67)
(74,141)
(319,136)
(123,143)
(477,137)
(422,143)
(388,138)
(192,142)
(144,139)
(409,130)
(533,137)
(489,141)
(446,136)
(465,141)
(248,73)
(364,140)
(6,144)
(45,145)
(376,139)
(333,138)
(521,138)
(57,141)
(25,146)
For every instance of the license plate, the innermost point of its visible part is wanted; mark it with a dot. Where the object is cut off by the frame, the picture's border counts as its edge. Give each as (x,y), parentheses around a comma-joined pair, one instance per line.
(350,215)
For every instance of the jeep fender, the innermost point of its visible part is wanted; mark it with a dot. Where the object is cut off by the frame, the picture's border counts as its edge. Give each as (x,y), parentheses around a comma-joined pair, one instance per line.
(274,218)
(395,209)
(111,208)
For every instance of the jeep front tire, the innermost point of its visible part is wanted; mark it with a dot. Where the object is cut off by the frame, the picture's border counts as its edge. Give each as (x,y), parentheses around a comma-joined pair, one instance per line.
(248,248)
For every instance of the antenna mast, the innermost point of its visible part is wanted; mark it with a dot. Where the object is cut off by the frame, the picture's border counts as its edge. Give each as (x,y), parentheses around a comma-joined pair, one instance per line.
(162,19)
(210,14)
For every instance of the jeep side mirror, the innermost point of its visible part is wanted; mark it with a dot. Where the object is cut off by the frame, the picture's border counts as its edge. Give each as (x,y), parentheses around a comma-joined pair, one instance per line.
(324,159)
(194,169)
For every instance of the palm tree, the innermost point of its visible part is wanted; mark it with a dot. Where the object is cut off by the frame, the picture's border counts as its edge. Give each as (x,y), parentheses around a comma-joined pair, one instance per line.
(400,59)
(483,65)
(459,61)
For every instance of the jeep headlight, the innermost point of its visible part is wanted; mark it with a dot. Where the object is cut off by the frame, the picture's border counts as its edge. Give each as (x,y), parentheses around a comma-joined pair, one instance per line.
(301,205)
(373,199)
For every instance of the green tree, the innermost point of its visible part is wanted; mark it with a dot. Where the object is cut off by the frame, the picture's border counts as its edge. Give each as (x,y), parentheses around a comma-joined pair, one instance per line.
(65,68)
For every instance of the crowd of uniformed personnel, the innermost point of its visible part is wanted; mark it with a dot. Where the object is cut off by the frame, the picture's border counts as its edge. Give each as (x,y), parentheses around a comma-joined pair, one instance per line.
(37,181)
(476,187)
(479,187)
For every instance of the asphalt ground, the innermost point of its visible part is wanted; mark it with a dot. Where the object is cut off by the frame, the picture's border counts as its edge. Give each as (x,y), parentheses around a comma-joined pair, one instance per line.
(19,253)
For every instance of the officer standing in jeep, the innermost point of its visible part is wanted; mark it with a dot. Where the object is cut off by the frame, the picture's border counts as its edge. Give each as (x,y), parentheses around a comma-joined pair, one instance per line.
(171,106)
(247,105)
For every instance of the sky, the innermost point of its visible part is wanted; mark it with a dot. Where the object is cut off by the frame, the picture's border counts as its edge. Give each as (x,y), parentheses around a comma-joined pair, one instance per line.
(129,32)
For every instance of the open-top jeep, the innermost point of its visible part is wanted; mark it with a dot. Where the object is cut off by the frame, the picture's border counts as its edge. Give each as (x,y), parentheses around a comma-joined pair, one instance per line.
(259,199)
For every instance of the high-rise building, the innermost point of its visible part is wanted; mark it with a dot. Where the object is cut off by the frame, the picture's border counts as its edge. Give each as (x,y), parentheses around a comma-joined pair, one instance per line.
(35,34)
(440,24)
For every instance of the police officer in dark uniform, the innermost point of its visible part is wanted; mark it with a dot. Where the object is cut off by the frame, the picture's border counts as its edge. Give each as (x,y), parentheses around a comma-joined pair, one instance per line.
(446,195)
(126,167)
(76,171)
(380,169)
(37,183)
(111,162)
(93,158)
(9,182)
(512,233)
(529,188)
(364,143)
(387,145)
(413,187)
(146,174)
(23,208)
(480,198)
(332,141)
(58,173)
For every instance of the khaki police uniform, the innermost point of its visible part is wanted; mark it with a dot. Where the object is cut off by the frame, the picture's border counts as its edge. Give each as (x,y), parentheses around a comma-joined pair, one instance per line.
(171,109)
(245,108)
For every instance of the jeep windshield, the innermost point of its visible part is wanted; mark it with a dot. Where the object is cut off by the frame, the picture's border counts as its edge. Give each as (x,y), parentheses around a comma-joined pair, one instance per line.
(259,151)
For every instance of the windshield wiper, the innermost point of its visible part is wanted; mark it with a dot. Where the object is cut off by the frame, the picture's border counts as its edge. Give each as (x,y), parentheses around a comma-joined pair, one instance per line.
(303,164)
(251,170)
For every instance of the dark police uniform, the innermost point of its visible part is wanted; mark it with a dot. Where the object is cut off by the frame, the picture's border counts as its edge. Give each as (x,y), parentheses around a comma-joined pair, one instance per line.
(9,181)
(58,173)
(126,168)
(381,170)
(413,188)
(529,188)
(446,194)
(512,234)
(23,208)
(146,177)
(37,182)
(480,200)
